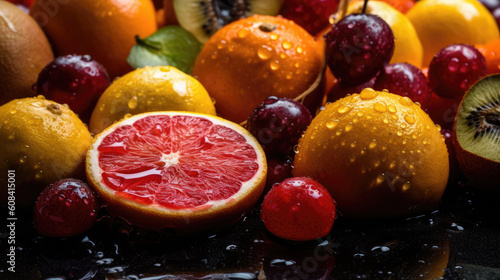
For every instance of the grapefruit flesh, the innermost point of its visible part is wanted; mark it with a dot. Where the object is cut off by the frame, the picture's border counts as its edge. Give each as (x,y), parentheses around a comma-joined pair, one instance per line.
(173,165)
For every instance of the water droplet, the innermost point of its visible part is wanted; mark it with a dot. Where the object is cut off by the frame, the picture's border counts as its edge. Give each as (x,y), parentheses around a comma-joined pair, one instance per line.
(287,45)
(12,136)
(332,124)
(265,52)
(386,121)
(360,114)
(405,101)
(406,186)
(344,109)
(380,107)
(281,262)
(299,50)
(132,103)
(380,178)
(275,65)
(273,36)
(353,144)
(372,144)
(22,160)
(395,117)
(243,33)
(13,111)
(221,44)
(338,132)
(232,247)
(409,119)
(348,127)
(352,159)
(368,94)
(296,149)
(392,109)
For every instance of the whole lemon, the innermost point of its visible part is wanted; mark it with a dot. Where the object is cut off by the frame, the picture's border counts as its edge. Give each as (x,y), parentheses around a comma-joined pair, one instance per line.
(379,155)
(149,89)
(41,142)
(440,23)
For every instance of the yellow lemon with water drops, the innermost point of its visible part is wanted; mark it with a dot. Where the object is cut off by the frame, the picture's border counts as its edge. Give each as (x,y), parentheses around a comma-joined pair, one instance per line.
(41,142)
(149,89)
(379,155)
(440,23)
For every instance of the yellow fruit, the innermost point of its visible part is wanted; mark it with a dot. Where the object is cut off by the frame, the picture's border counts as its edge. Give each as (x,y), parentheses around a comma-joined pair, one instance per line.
(24,51)
(407,46)
(148,89)
(379,155)
(440,23)
(41,141)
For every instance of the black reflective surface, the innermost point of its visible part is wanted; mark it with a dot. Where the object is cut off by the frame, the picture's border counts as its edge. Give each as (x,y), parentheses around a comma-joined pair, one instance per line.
(460,240)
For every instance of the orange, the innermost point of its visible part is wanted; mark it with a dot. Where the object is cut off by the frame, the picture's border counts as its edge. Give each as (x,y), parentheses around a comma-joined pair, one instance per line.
(491,52)
(148,89)
(42,141)
(186,172)
(24,51)
(379,155)
(253,58)
(401,5)
(103,29)
(440,23)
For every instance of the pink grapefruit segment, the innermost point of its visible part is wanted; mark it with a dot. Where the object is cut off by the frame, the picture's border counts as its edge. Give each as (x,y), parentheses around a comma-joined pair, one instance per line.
(171,165)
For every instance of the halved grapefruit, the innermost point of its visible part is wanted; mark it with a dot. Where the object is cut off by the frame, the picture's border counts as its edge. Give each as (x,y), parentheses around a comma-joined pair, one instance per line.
(185,171)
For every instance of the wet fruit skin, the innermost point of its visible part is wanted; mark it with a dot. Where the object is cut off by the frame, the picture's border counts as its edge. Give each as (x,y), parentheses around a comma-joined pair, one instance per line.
(454,69)
(278,170)
(358,47)
(278,123)
(379,155)
(312,15)
(299,209)
(406,80)
(75,80)
(65,208)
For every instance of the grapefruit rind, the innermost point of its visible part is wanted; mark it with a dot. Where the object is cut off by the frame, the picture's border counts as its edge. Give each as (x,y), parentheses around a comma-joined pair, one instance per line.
(210,216)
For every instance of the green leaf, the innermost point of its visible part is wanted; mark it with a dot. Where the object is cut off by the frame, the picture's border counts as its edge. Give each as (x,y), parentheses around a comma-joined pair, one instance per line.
(170,45)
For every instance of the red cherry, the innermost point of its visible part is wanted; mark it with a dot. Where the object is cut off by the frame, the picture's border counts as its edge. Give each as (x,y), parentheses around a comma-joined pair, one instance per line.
(312,15)
(277,171)
(65,208)
(75,80)
(298,209)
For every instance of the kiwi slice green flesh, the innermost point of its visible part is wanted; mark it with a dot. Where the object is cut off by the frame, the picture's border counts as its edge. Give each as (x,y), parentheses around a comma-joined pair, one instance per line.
(204,17)
(478,120)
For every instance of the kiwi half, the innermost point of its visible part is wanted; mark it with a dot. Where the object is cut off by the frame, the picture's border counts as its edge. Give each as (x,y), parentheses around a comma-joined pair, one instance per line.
(202,18)
(477,133)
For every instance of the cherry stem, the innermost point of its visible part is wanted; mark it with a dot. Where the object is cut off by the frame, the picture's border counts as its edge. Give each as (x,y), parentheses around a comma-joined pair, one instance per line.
(364,7)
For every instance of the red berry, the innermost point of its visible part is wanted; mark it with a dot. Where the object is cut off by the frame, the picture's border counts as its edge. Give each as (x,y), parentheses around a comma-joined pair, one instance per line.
(277,171)
(406,80)
(75,80)
(65,208)
(358,47)
(312,15)
(298,209)
(454,69)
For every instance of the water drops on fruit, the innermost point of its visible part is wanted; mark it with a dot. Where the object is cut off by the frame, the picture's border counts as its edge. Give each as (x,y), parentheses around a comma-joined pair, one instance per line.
(380,107)
(242,33)
(265,52)
(274,65)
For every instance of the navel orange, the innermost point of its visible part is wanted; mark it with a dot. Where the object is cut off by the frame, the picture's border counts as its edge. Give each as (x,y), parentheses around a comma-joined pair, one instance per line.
(253,58)
(103,29)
